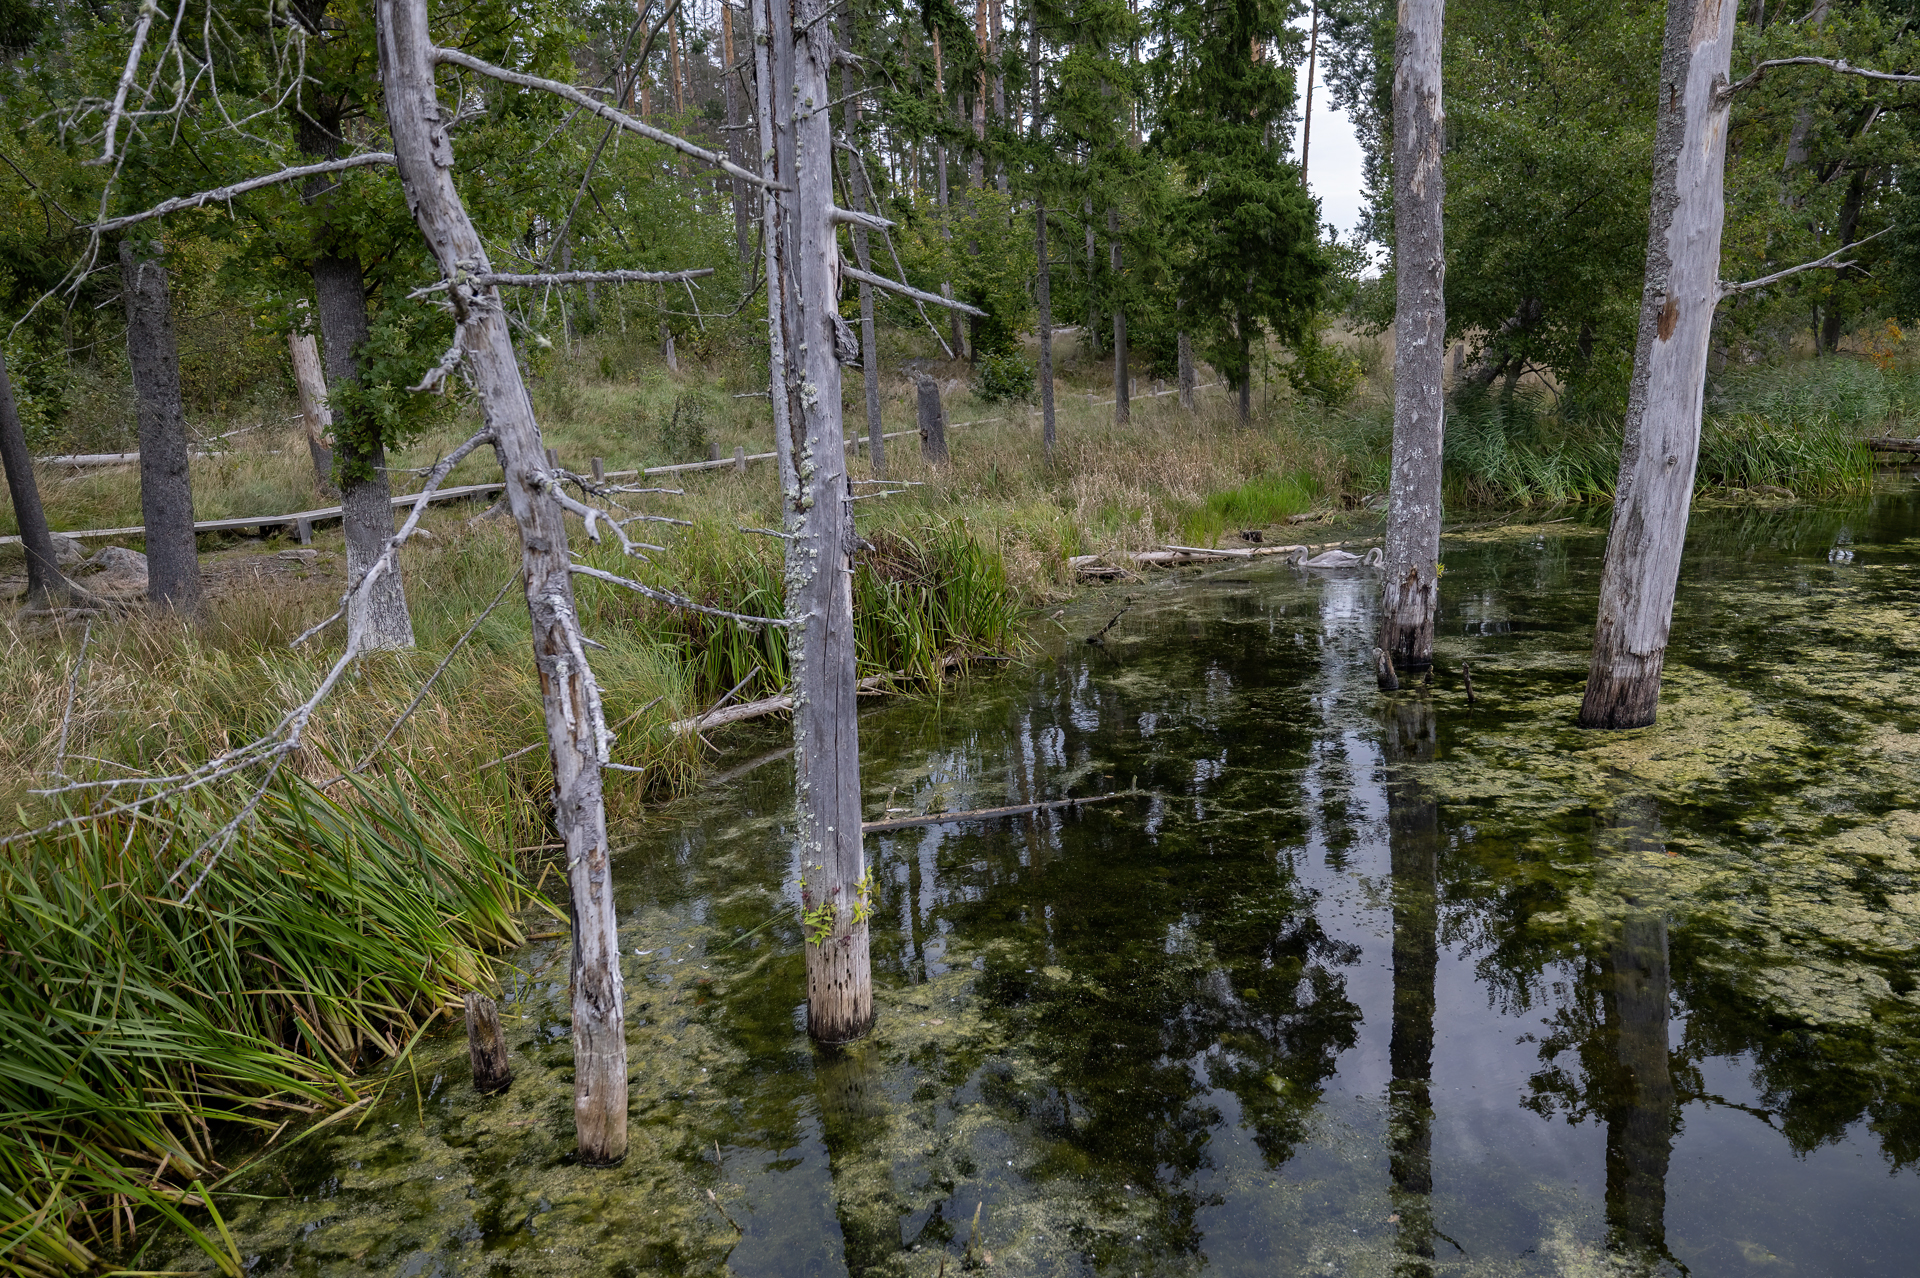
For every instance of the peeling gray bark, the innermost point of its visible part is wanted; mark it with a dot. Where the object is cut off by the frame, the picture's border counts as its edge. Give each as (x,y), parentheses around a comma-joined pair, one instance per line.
(366,498)
(46,584)
(742,212)
(793,55)
(310,381)
(1662,435)
(1410,579)
(166,489)
(570,696)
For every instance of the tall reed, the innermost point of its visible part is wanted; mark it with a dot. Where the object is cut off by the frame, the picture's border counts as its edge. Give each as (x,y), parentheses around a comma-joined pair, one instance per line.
(142,1036)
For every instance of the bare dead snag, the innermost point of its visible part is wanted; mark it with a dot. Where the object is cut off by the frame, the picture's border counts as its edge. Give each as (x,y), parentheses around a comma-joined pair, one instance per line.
(166,489)
(933,420)
(311,383)
(575,721)
(46,584)
(486,1046)
(793,55)
(1662,437)
(1410,582)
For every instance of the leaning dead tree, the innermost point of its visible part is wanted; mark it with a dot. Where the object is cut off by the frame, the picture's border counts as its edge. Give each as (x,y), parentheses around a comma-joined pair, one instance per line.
(1662,439)
(1410,579)
(576,725)
(793,53)
(1664,401)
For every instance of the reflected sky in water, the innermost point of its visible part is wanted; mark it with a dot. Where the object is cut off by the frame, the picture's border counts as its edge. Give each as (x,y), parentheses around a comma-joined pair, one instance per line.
(1365,986)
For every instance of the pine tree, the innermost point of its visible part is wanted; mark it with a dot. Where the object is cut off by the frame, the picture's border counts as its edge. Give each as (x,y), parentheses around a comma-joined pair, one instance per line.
(1248,257)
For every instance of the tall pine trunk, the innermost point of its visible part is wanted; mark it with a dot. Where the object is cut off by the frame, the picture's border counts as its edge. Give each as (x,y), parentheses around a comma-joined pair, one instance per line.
(166,489)
(1662,436)
(1043,282)
(1410,577)
(742,212)
(366,498)
(794,53)
(575,722)
(1122,383)
(869,342)
(46,584)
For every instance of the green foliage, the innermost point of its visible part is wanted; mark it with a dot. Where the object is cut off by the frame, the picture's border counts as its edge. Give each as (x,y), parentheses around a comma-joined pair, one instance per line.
(1263,500)
(1005,378)
(1248,255)
(136,1030)
(682,433)
(1323,371)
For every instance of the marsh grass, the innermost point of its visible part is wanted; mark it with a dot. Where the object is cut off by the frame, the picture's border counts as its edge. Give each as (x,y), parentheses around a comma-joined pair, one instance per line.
(144,1040)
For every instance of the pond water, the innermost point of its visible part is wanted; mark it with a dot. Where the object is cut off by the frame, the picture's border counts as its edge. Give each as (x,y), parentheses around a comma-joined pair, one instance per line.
(1367,985)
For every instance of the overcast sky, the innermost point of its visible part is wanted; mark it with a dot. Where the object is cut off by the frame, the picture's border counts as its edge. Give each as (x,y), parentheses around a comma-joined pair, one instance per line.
(1333,159)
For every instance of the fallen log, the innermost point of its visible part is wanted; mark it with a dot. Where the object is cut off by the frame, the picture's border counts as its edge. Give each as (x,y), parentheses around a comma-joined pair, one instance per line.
(780,704)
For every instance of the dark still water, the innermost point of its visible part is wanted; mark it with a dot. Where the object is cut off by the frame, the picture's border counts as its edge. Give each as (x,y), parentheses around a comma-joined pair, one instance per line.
(1368,986)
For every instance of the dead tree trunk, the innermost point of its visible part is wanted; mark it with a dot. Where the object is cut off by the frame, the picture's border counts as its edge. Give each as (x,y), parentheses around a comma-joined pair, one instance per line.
(310,380)
(1409,580)
(794,53)
(933,420)
(46,584)
(857,192)
(1187,379)
(1043,283)
(486,1045)
(742,215)
(1122,405)
(1662,436)
(940,192)
(576,725)
(366,498)
(166,489)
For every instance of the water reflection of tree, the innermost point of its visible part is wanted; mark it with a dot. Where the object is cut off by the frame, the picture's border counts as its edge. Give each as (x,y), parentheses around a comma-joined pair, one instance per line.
(1137,975)
(1413,831)
(1616,1023)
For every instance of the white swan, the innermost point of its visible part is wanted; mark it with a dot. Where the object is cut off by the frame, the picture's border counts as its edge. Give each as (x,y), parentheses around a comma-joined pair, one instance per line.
(1327,559)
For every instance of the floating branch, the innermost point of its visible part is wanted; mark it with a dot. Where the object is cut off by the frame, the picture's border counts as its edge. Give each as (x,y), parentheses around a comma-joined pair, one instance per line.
(981,814)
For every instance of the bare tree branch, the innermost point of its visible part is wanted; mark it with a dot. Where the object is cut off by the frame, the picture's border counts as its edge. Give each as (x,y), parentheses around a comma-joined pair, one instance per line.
(613,114)
(592,277)
(907,290)
(220,194)
(674,601)
(145,24)
(1728,290)
(1840,65)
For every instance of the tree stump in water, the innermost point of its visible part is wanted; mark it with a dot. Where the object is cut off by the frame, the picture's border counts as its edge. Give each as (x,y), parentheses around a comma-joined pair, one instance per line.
(933,420)
(492,1072)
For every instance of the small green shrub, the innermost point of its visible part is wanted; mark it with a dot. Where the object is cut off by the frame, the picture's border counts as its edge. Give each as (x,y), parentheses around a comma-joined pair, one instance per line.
(1005,378)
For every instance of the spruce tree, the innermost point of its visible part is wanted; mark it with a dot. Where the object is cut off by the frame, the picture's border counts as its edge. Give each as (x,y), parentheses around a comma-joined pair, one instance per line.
(1247,254)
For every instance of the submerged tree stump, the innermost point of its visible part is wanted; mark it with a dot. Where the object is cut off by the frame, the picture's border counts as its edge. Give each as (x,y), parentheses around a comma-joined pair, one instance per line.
(933,420)
(492,1071)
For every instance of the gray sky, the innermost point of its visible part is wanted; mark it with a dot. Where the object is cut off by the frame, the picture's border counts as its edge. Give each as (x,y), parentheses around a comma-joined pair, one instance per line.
(1333,160)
